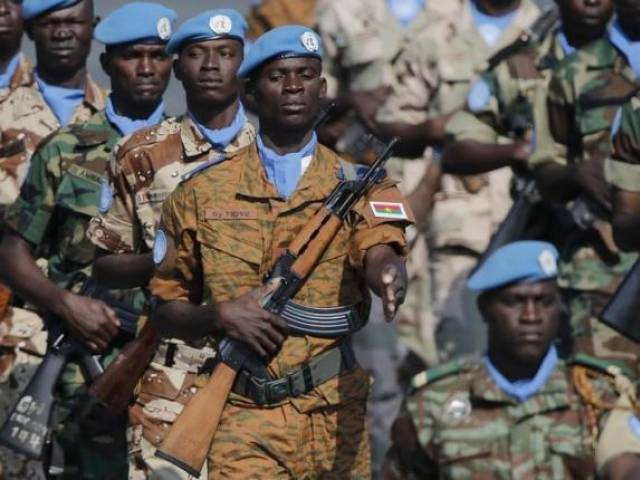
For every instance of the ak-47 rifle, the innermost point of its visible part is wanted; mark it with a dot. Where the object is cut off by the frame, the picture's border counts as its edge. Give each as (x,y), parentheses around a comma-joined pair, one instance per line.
(190,437)
(115,387)
(26,429)
(623,310)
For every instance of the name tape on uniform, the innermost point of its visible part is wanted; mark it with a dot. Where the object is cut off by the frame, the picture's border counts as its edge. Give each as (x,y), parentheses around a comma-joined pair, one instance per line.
(229,214)
(392,210)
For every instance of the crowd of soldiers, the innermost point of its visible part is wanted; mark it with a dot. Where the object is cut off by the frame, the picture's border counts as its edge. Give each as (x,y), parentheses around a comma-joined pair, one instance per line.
(412,344)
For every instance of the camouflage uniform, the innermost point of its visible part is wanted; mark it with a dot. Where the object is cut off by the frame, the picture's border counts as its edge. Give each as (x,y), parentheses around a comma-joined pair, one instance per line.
(467,427)
(268,14)
(146,167)
(225,227)
(621,168)
(56,202)
(585,93)
(25,119)
(434,72)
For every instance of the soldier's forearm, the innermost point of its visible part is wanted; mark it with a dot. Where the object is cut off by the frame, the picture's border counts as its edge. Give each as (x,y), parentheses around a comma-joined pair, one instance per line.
(20,272)
(127,270)
(179,319)
(469,157)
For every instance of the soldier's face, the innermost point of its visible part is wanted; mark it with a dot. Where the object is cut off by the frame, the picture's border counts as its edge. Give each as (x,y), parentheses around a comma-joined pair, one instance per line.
(139,72)
(10,26)
(63,38)
(588,17)
(523,320)
(288,92)
(208,71)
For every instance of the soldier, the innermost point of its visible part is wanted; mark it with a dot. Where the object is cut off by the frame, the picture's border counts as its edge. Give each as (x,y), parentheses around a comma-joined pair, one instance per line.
(433,76)
(60,93)
(267,14)
(223,229)
(520,412)
(585,93)
(59,197)
(147,168)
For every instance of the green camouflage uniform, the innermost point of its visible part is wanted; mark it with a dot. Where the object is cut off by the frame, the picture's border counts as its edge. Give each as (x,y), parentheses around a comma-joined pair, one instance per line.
(465,427)
(585,93)
(622,168)
(56,203)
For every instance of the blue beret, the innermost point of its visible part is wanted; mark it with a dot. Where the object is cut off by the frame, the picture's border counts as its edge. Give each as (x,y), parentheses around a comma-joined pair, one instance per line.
(525,261)
(134,22)
(281,42)
(33,8)
(210,25)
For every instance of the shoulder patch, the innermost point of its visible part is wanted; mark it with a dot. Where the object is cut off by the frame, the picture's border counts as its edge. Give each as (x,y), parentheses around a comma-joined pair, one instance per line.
(479,95)
(106,196)
(436,373)
(159,247)
(390,210)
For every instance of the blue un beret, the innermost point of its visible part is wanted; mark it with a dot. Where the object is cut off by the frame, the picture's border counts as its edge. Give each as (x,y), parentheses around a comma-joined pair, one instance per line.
(524,261)
(210,25)
(33,8)
(281,42)
(134,22)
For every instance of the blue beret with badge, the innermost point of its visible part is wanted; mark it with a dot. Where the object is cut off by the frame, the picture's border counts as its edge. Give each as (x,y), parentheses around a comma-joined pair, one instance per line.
(523,261)
(281,42)
(34,8)
(209,25)
(136,21)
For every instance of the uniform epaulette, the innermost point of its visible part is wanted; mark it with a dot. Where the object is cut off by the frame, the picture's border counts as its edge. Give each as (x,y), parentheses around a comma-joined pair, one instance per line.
(436,373)
(148,136)
(219,158)
(89,137)
(610,367)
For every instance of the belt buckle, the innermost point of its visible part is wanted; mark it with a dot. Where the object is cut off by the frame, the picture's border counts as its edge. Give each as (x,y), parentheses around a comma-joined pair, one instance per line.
(277,390)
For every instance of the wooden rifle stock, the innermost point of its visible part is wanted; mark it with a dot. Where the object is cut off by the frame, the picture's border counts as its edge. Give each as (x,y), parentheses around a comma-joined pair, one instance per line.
(114,388)
(187,443)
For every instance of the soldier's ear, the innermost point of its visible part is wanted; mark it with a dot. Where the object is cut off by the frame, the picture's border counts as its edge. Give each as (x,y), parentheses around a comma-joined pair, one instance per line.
(323,87)
(249,93)
(105,63)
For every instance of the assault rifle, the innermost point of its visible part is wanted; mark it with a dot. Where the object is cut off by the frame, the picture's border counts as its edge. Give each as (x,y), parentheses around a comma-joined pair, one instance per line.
(26,429)
(621,313)
(115,387)
(190,437)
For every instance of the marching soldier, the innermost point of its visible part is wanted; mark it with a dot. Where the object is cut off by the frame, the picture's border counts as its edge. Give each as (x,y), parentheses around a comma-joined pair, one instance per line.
(585,93)
(59,197)
(433,76)
(147,167)
(267,14)
(221,232)
(519,412)
(59,93)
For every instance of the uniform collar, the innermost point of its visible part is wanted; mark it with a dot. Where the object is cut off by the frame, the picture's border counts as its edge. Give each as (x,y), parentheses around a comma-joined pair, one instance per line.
(96,131)
(126,125)
(195,144)
(23,76)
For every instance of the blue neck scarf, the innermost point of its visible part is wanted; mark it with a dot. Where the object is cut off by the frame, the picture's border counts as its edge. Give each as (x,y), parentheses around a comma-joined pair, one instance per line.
(630,48)
(564,43)
(491,28)
(406,11)
(126,125)
(521,390)
(62,101)
(222,137)
(284,171)
(5,78)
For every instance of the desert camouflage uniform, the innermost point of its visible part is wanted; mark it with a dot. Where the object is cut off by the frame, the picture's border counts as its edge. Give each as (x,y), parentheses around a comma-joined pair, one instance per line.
(146,167)
(458,424)
(25,119)
(225,227)
(268,14)
(585,93)
(433,74)
(360,39)
(56,202)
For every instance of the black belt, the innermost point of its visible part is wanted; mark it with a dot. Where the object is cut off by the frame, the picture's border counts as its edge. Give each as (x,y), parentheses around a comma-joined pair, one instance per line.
(317,371)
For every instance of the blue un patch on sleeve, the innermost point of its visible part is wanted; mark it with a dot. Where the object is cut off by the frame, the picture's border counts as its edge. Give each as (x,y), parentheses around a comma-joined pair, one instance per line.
(106,196)
(159,247)
(479,95)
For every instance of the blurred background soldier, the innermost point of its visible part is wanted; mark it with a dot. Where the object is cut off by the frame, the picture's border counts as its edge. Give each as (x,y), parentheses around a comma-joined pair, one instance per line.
(60,195)
(585,93)
(433,75)
(267,14)
(60,91)
(520,412)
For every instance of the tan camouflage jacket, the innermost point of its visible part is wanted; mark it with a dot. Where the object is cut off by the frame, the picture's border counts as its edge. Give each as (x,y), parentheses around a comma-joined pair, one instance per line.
(145,168)
(433,77)
(25,119)
(457,424)
(226,226)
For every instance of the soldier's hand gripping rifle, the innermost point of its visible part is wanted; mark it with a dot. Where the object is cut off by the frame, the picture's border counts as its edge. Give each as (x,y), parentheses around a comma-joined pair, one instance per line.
(26,429)
(622,313)
(190,437)
(114,388)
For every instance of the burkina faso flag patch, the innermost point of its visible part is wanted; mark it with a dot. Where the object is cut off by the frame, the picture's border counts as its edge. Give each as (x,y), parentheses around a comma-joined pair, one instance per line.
(393,210)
